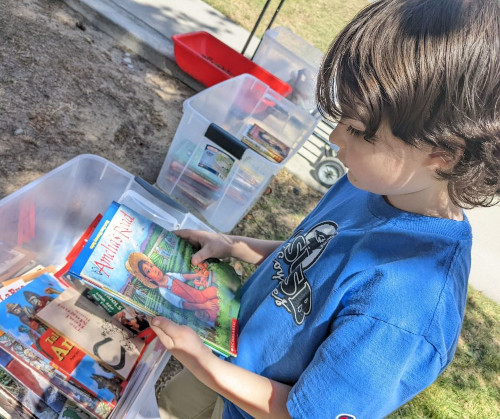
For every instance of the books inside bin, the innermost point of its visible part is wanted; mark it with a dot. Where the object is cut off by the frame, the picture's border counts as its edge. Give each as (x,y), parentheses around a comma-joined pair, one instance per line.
(204,184)
(266,144)
(70,343)
(139,263)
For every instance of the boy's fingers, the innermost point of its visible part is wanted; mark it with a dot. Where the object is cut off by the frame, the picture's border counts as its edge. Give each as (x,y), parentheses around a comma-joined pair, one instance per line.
(165,330)
(200,256)
(185,234)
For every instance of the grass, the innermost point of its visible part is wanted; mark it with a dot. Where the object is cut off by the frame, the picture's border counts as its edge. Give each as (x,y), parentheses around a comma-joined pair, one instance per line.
(319,22)
(470,386)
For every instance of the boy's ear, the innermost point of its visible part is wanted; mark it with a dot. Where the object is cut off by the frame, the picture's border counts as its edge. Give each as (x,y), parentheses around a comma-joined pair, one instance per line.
(442,159)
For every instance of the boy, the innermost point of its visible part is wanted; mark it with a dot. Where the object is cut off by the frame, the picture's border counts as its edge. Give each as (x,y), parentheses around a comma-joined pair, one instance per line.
(361,308)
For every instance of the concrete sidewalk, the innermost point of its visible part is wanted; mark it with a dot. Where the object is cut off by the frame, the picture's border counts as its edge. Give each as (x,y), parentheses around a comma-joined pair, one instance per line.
(145,27)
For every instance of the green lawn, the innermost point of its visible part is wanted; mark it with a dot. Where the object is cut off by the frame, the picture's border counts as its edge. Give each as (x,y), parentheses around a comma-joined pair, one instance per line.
(315,21)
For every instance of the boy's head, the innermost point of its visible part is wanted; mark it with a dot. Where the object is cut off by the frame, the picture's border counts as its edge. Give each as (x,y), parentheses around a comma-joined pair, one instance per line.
(430,70)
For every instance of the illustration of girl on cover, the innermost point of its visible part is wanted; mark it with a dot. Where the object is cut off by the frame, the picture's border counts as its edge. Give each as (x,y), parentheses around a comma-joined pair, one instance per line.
(202,298)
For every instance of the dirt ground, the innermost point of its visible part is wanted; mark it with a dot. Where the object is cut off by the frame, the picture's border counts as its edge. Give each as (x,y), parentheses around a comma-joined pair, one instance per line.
(68,89)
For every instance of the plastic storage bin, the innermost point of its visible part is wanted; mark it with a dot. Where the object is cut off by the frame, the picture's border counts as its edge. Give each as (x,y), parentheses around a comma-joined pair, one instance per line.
(209,169)
(294,61)
(211,61)
(51,213)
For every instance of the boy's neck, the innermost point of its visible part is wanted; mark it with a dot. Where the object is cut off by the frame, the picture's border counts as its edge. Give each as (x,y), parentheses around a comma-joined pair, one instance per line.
(429,203)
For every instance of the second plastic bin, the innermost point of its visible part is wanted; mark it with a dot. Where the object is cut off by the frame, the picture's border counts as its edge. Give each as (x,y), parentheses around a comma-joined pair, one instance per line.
(293,60)
(210,169)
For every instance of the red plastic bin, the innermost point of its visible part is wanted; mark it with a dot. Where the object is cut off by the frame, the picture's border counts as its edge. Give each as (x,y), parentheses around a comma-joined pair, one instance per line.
(210,61)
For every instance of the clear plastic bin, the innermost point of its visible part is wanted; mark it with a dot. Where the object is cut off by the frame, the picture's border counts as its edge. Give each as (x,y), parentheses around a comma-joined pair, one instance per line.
(293,60)
(210,169)
(50,214)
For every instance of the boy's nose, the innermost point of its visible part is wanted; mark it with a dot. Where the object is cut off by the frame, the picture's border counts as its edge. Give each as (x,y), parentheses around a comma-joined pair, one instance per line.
(334,138)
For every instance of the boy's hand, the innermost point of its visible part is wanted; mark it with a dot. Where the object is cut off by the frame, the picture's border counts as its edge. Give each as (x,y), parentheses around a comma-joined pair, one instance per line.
(181,341)
(211,245)
(223,246)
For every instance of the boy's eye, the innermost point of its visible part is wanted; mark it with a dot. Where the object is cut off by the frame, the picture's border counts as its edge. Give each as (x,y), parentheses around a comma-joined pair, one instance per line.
(358,133)
(354,131)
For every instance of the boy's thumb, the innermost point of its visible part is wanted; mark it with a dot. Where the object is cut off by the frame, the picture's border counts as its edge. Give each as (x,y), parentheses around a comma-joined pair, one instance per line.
(199,256)
(163,324)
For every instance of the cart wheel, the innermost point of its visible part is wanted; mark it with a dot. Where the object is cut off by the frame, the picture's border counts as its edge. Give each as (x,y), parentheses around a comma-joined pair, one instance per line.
(328,171)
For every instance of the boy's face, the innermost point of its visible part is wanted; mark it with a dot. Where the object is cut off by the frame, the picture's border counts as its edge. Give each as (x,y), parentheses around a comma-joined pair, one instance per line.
(388,166)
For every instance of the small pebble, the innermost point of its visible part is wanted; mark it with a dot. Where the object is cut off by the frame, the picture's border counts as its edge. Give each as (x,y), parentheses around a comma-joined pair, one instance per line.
(296,191)
(131,66)
(127,60)
(18,131)
(127,54)
(80,25)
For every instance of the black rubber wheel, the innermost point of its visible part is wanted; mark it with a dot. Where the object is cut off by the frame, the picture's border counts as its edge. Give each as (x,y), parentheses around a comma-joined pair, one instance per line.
(328,171)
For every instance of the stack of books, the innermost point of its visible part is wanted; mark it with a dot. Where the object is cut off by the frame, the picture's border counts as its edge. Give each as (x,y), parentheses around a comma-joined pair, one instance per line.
(202,175)
(71,337)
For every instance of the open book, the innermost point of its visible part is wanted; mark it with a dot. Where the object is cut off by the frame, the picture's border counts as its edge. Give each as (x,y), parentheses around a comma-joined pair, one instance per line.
(145,266)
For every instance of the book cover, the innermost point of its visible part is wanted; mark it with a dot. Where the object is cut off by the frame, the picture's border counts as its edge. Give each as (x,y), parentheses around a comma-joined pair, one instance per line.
(148,267)
(135,321)
(265,144)
(95,332)
(11,289)
(42,366)
(18,318)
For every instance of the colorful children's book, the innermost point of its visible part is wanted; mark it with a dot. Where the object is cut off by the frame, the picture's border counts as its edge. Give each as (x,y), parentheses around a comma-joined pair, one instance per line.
(18,318)
(11,289)
(41,366)
(265,144)
(145,266)
(95,332)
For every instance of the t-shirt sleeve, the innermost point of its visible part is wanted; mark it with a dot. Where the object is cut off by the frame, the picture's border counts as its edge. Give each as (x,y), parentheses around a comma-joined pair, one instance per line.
(365,368)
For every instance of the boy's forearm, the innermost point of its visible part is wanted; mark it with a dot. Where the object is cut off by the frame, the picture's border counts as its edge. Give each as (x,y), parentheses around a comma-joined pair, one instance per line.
(257,395)
(252,250)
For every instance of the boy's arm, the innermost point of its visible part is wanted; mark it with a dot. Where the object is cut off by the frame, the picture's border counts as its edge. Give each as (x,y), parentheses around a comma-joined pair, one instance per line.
(222,246)
(258,396)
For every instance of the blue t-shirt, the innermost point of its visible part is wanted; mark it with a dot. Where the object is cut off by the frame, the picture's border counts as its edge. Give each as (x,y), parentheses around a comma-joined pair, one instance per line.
(359,310)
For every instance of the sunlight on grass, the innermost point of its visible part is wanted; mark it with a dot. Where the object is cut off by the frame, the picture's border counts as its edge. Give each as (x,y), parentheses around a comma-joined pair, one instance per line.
(319,21)
(470,387)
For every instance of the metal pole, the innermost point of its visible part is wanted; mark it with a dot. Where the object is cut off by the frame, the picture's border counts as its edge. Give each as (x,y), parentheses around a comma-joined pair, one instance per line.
(255,26)
(270,23)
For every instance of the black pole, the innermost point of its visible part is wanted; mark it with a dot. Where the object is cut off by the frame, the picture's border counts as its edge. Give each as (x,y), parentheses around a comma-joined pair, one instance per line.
(255,26)
(270,23)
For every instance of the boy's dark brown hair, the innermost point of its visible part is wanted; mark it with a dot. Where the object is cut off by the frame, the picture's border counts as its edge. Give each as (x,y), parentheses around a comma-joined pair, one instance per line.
(431,69)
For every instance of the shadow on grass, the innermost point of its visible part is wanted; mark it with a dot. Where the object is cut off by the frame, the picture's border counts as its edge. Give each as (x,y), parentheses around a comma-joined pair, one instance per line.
(469,388)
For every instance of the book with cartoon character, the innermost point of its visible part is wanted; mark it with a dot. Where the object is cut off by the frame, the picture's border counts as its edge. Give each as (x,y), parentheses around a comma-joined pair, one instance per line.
(18,317)
(143,265)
